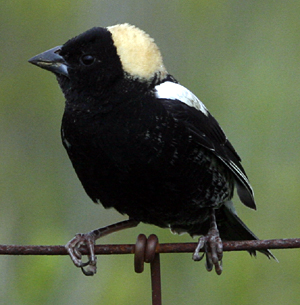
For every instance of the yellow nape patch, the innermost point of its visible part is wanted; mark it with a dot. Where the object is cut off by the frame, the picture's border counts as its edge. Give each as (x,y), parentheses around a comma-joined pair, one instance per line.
(140,56)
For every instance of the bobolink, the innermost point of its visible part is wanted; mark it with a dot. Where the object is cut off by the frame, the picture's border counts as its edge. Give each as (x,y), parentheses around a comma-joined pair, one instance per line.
(143,144)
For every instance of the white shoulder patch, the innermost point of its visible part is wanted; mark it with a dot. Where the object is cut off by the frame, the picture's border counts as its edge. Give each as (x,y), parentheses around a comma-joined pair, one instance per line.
(173,91)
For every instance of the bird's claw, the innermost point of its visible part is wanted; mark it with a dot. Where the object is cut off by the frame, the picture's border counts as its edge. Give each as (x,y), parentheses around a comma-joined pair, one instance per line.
(213,249)
(73,246)
(91,268)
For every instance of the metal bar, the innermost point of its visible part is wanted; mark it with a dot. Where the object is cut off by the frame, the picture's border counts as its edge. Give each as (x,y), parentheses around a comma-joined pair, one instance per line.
(156,280)
(161,248)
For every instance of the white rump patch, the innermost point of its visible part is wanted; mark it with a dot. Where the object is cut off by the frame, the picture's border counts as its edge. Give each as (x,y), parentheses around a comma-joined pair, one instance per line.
(173,91)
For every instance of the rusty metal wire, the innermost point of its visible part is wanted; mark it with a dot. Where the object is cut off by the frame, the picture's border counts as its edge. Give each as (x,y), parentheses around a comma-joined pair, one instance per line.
(145,251)
(148,250)
(161,248)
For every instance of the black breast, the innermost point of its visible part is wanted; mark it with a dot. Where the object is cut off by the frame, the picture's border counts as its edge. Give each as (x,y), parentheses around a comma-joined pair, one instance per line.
(140,160)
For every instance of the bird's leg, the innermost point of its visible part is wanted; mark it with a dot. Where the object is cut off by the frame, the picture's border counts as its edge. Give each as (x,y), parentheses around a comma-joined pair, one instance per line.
(213,246)
(88,240)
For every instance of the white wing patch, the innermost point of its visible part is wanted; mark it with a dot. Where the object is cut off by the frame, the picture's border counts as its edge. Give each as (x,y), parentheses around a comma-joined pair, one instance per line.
(173,91)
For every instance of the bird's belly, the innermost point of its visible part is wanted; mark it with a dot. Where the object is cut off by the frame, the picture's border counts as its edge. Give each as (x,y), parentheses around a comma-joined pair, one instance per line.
(167,180)
(169,196)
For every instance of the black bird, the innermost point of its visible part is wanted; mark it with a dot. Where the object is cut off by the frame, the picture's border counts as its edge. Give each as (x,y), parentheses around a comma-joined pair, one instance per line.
(145,145)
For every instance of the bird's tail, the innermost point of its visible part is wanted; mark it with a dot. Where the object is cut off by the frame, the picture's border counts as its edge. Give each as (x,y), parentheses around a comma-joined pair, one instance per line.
(231,227)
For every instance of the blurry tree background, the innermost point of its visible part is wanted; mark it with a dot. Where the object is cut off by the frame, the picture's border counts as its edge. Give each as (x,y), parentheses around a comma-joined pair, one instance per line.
(241,58)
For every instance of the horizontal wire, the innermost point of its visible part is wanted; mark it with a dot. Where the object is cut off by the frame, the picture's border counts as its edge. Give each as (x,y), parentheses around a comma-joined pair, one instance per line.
(161,248)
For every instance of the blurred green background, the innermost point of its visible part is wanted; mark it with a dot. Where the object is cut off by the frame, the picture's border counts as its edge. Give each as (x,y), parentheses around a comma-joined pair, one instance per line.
(241,58)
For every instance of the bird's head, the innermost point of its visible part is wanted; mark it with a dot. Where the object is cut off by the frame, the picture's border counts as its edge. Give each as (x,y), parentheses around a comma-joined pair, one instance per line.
(100,57)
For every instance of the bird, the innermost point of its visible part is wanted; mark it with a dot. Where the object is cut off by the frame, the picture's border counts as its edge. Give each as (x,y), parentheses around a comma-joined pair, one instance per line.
(145,145)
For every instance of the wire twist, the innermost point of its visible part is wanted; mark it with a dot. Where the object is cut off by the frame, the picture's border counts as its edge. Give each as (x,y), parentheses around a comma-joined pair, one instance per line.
(146,252)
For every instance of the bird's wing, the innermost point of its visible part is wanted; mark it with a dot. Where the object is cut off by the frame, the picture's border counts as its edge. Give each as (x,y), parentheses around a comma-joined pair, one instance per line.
(185,107)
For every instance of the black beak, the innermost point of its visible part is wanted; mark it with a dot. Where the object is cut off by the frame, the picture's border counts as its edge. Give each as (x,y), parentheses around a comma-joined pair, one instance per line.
(51,61)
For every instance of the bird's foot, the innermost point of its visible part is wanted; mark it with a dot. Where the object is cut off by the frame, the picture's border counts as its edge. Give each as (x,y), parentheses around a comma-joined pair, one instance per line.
(73,246)
(213,248)
(88,240)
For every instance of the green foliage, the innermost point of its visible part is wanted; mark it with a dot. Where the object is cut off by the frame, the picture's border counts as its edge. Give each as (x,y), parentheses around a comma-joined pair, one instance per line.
(241,58)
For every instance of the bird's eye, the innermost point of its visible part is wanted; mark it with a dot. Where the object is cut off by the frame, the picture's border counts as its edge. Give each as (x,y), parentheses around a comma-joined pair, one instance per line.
(87,60)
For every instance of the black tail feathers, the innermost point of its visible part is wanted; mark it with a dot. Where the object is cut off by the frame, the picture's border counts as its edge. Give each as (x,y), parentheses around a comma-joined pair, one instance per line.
(231,227)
